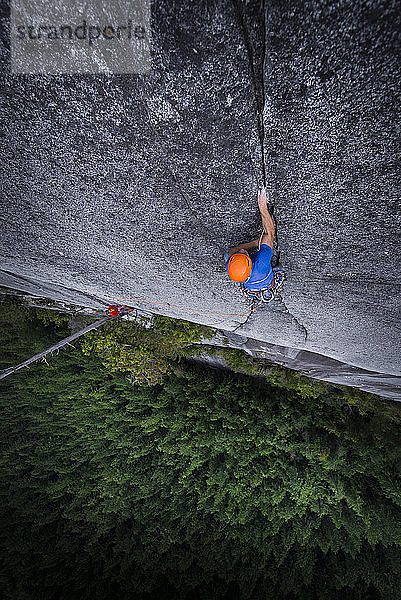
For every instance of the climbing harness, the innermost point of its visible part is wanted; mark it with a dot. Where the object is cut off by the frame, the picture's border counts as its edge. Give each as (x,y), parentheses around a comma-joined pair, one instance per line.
(277,287)
(273,292)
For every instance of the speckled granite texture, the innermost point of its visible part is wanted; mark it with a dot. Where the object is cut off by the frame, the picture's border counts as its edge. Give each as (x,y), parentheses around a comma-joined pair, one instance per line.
(134,185)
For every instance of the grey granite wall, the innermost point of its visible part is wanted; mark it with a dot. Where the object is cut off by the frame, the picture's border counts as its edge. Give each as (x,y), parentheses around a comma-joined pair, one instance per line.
(132,186)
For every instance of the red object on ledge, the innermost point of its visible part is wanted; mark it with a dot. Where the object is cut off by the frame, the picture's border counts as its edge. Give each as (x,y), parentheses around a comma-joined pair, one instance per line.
(113,311)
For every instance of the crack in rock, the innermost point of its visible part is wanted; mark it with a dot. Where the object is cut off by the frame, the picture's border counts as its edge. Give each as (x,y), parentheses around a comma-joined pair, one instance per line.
(286,309)
(300,325)
(243,323)
(257,59)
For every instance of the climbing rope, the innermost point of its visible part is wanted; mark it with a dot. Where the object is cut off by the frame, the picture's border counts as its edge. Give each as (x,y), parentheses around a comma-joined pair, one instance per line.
(256,299)
(122,307)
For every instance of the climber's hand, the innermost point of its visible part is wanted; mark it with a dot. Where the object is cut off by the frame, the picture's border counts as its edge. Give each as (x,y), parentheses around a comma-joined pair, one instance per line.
(262,200)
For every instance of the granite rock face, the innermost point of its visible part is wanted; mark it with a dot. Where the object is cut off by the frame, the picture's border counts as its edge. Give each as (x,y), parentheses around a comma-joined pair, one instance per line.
(133,186)
(332,138)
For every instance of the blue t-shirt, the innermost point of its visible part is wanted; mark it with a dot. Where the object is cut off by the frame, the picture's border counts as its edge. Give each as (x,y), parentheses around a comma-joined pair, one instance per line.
(262,273)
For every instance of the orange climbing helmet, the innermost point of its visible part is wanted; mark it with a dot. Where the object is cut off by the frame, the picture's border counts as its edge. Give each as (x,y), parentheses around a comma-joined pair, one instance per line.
(239,267)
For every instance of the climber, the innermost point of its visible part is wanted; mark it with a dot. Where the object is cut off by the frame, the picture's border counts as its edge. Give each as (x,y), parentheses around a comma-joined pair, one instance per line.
(254,270)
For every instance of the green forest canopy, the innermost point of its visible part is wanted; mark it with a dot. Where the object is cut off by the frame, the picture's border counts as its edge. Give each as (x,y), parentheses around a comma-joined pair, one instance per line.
(212,485)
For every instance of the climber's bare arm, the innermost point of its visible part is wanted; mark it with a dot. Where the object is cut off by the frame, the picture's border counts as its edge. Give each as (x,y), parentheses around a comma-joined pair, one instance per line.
(245,246)
(268,226)
(267,221)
